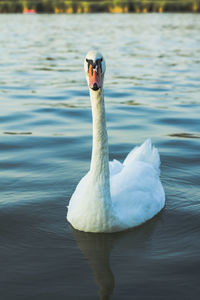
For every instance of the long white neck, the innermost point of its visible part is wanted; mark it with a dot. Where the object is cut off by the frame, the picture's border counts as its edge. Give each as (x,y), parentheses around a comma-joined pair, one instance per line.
(99,167)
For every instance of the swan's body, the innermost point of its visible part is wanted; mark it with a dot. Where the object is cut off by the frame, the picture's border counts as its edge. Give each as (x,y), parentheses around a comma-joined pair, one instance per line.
(114,196)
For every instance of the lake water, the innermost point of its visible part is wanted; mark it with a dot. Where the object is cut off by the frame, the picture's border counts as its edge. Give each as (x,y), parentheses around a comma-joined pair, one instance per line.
(152,89)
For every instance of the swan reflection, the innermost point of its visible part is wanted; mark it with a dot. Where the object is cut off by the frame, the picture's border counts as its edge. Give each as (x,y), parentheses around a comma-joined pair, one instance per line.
(96,247)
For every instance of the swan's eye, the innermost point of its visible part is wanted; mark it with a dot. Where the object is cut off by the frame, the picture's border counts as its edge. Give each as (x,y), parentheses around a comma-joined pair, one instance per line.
(98,62)
(90,62)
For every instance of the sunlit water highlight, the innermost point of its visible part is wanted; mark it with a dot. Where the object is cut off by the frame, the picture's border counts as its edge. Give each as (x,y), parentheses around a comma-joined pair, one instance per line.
(152,89)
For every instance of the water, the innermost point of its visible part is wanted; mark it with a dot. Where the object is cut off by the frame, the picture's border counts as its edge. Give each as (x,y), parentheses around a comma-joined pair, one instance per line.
(152,89)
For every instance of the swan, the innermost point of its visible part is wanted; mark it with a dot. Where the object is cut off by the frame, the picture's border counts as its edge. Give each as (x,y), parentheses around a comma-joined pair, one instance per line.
(114,196)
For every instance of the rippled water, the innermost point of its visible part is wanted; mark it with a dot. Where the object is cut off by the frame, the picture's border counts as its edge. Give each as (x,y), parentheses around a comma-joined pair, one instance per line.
(152,89)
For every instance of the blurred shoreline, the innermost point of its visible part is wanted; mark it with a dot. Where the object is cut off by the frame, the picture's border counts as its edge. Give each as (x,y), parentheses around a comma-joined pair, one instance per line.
(100,6)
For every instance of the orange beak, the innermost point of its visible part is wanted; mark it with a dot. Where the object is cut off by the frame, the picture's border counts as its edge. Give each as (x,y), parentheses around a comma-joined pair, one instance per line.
(95,81)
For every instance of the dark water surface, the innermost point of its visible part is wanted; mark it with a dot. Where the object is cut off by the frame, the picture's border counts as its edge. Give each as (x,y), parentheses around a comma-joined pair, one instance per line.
(152,89)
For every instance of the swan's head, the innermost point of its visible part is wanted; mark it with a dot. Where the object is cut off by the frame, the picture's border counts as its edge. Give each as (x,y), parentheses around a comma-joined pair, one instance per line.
(95,68)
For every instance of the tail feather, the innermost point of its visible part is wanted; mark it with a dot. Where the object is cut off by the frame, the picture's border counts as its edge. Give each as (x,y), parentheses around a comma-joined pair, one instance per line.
(146,153)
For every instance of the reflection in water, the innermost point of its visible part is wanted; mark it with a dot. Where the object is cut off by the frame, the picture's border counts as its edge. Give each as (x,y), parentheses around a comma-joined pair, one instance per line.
(96,248)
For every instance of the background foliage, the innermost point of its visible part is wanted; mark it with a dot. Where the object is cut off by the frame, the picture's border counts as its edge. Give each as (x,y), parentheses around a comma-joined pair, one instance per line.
(89,6)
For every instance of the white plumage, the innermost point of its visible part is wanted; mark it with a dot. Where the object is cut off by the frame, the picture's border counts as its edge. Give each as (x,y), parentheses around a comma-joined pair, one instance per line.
(114,196)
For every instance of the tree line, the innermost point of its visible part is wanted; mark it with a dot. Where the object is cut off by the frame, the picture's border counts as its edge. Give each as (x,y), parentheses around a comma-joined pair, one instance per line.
(92,6)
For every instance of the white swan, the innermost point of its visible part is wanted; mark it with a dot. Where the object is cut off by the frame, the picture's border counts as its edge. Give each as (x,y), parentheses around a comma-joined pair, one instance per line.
(114,196)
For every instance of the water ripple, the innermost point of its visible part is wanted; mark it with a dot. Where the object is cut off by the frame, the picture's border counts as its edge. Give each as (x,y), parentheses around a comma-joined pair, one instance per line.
(151,90)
